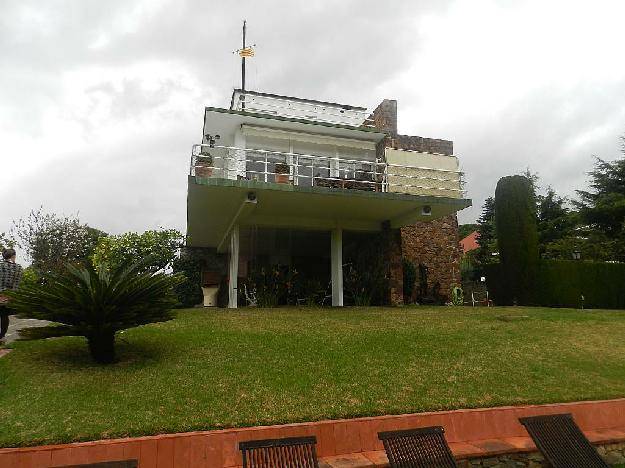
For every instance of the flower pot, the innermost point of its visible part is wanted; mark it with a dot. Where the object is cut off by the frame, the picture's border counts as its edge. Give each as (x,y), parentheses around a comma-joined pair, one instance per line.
(202,171)
(283,172)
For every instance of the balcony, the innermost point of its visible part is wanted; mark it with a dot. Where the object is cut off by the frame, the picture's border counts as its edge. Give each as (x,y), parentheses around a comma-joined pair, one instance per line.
(404,172)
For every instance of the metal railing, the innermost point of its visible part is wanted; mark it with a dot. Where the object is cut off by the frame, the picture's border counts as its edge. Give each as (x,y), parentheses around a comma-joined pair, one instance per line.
(286,107)
(229,162)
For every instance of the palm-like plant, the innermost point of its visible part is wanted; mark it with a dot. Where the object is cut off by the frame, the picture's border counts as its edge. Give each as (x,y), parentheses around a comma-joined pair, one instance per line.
(96,302)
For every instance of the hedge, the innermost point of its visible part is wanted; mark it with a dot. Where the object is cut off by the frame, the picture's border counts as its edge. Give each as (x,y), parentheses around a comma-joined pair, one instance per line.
(562,283)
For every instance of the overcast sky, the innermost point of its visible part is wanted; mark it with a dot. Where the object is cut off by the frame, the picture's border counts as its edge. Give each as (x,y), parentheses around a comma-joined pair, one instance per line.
(100,101)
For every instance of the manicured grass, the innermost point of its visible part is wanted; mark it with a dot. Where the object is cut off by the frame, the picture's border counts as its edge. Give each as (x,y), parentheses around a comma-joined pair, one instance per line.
(214,368)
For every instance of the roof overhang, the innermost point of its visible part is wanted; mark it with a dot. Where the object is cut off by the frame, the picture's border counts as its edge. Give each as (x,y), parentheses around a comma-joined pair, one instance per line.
(214,206)
(225,123)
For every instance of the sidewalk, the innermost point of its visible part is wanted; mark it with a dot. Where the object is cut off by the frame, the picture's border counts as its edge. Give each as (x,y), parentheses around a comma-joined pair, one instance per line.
(17,324)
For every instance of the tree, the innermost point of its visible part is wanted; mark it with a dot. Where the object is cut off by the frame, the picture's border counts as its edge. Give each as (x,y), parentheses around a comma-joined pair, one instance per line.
(160,246)
(465,229)
(602,208)
(487,240)
(517,236)
(51,241)
(555,224)
(96,302)
(6,241)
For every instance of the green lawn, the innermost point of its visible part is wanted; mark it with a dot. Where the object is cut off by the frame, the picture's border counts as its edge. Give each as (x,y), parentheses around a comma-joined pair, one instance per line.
(214,368)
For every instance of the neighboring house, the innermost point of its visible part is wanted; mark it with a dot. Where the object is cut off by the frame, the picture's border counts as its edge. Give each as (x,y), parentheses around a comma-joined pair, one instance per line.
(470,242)
(283,179)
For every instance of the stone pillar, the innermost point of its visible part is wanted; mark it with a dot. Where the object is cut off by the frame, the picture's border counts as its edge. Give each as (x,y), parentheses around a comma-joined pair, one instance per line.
(234,268)
(435,244)
(336,261)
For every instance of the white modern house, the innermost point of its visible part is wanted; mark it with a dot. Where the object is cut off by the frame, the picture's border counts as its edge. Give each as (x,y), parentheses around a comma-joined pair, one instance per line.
(283,178)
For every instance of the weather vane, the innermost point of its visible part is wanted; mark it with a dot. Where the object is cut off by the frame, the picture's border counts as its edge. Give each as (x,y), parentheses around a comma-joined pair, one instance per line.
(244,52)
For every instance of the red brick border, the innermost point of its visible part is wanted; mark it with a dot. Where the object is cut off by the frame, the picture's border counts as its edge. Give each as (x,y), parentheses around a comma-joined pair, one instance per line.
(471,432)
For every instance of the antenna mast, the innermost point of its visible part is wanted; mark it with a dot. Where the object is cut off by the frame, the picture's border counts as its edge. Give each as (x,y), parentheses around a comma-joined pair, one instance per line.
(243,60)
(244,53)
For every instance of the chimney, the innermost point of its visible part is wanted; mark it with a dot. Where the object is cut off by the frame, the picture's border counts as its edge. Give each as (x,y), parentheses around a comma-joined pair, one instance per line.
(385,117)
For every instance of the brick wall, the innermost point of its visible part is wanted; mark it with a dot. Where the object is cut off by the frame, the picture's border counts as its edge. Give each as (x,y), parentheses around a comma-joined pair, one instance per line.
(433,243)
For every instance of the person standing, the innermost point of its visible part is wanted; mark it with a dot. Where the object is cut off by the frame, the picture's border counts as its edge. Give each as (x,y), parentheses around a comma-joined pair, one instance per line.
(10,277)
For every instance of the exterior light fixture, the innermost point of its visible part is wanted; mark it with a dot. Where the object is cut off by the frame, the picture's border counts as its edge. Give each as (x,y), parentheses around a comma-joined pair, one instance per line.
(210,139)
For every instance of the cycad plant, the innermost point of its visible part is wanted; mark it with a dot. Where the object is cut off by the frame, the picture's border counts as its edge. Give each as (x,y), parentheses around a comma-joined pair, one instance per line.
(96,302)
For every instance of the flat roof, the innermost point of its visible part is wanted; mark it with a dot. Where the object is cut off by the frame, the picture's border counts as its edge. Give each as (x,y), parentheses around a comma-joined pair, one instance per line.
(371,130)
(292,98)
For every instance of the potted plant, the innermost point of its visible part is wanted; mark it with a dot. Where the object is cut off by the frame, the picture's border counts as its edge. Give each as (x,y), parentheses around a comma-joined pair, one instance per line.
(282,173)
(203,165)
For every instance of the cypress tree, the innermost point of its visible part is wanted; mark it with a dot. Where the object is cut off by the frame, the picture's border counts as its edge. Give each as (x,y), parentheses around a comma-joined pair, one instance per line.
(515,222)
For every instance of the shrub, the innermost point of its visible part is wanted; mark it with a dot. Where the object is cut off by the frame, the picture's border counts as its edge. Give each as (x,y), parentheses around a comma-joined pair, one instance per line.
(96,302)
(223,293)
(410,276)
(189,291)
(457,296)
(515,221)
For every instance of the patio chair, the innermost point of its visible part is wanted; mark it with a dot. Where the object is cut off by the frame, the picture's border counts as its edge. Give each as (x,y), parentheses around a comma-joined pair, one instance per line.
(415,448)
(561,441)
(271,453)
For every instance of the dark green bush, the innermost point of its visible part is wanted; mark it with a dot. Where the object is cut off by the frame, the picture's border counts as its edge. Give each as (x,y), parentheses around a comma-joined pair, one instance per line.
(562,283)
(515,220)
(189,292)
(223,294)
(410,276)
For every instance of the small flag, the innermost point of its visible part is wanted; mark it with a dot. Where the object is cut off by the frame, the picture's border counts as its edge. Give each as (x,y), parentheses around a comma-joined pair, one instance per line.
(247,52)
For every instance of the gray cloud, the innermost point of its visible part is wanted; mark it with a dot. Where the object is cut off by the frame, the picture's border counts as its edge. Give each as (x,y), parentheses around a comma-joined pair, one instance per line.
(111,95)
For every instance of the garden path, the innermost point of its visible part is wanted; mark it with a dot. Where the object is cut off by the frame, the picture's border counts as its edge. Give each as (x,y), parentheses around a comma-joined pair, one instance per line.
(17,324)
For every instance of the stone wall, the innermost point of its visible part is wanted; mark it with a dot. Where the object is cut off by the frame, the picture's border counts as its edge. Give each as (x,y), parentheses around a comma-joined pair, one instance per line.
(516,460)
(424,145)
(435,245)
(613,454)
(392,242)
(384,117)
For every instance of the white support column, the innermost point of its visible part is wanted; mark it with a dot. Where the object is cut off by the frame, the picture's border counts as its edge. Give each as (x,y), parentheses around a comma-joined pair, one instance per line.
(336,256)
(234,267)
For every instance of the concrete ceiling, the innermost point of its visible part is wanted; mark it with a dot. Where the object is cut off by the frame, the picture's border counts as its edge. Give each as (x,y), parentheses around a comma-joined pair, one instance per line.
(215,205)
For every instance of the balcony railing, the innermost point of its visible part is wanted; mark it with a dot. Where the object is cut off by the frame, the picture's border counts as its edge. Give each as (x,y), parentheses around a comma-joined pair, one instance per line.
(228,162)
(290,108)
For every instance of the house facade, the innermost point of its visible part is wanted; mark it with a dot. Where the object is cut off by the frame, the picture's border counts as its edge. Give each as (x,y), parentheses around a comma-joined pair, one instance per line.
(319,188)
